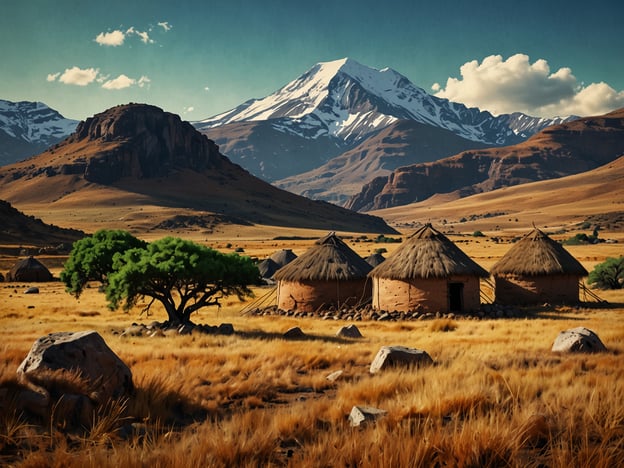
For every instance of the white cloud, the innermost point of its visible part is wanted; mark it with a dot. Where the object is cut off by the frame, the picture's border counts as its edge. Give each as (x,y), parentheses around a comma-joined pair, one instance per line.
(52,76)
(165,25)
(516,85)
(113,38)
(121,82)
(144,81)
(79,77)
(142,35)
(188,109)
(206,88)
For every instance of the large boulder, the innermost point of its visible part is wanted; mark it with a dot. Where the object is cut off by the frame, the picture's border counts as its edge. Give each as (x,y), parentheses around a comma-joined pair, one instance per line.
(86,353)
(399,356)
(578,340)
(349,331)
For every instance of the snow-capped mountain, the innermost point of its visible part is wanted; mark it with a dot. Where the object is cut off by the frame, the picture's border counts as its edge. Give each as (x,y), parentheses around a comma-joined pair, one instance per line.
(27,128)
(349,101)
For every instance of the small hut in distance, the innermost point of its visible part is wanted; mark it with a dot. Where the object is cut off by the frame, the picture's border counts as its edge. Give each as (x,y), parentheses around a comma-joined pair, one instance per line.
(29,269)
(537,270)
(428,271)
(328,274)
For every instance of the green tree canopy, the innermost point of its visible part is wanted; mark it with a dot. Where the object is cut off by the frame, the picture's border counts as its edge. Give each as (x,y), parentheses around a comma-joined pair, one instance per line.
(608,274)
(181,275)
(91,258)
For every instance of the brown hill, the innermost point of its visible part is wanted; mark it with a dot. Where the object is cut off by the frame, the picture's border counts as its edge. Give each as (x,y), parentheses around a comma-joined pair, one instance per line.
(596,196)
(138,155)
(20,229)
(557,151)
(403,143)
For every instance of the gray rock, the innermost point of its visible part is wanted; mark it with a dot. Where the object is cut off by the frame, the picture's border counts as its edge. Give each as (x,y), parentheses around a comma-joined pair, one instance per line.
(578,340)
(362,414)
(399,356)
(226,329)
(32,290)
(84,352)
(294,332)
(349,331)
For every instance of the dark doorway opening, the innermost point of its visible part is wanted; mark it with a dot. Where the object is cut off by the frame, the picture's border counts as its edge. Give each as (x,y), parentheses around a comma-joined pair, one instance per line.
(456,297)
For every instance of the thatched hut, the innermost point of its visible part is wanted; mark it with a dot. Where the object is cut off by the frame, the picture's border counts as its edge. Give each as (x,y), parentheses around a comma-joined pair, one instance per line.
(537,269)
(283,257)
(375,259)
(328,274)
(428,271)
(29,269)
(267,268)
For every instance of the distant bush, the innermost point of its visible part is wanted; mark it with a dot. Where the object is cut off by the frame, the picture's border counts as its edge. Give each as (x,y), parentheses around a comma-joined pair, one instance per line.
(386,240)
(239,249)
(583,239)
(478,234)
(381,250)
(608,274)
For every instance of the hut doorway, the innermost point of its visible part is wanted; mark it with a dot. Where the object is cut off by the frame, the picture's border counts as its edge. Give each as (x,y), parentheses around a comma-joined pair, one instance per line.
(456,297)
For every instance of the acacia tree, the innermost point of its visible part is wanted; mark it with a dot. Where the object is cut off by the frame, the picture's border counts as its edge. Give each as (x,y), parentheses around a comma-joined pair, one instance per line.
(91,258)
(608,274)
(182,275)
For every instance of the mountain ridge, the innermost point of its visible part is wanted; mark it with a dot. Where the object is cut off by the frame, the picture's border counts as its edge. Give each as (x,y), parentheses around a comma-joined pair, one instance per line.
(140,151)
(557,151)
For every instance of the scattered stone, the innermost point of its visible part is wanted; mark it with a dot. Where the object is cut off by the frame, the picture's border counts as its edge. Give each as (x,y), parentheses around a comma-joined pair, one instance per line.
(578,340)
(362,414)
(349,331)
(334,375)
(32,290)
(84,352)
(399,356)
(134,330)
(294,333)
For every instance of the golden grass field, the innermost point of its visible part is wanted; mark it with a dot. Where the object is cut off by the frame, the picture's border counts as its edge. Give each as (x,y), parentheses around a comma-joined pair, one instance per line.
(496,396)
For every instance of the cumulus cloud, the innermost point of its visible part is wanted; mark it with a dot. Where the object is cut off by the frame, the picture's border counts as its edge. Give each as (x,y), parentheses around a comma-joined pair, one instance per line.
(113,38)
(165,25)
(516,85)
(52,76)
(121,82)
(79,77)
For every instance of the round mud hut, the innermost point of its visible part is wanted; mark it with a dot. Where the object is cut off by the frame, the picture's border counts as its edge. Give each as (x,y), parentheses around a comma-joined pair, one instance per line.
(537,270)
(427,272)
(328,274)
(29,269)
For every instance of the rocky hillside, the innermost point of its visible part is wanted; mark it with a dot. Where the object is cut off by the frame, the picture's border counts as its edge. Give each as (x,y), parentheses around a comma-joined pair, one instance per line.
(401,144)
(557,151)
(138,149)
(20,229)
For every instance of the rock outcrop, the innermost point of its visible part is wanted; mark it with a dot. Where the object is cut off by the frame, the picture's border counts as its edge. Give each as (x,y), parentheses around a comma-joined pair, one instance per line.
(578,340)
(150,143)
(399,356)
(85,353)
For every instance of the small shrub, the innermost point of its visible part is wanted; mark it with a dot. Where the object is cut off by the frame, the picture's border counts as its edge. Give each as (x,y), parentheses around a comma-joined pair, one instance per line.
(478,234)
(608,274)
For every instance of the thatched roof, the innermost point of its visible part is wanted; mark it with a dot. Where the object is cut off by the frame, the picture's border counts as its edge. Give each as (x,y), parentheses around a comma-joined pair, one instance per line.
(328,259)
(267,268)
(537,254)
(427,254)
(283,257)
(29,269)
(375,259)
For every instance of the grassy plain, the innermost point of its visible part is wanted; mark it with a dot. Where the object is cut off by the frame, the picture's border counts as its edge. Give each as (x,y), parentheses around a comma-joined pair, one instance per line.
(496,395)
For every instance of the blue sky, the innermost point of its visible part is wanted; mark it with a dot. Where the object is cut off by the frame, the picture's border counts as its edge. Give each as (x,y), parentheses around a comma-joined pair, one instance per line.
(199,58)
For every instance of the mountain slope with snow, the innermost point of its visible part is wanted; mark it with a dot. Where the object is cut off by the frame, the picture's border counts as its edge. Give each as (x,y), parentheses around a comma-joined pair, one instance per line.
(349,101)
(27,128)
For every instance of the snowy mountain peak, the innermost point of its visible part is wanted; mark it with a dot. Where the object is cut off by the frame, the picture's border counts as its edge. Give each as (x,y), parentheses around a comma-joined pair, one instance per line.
(30,127)
(348,101)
